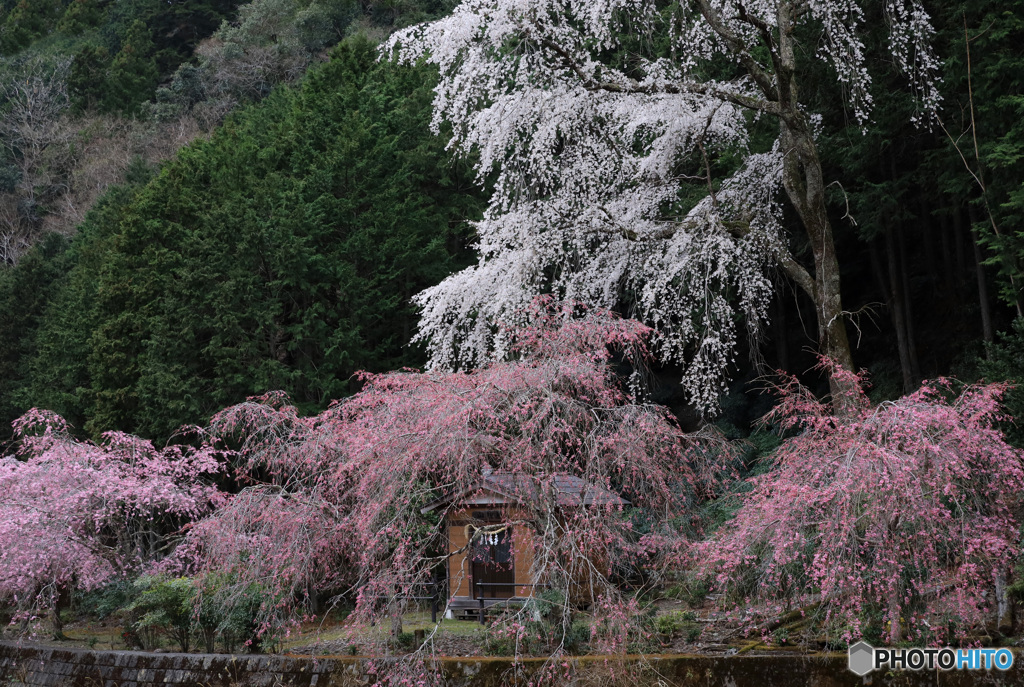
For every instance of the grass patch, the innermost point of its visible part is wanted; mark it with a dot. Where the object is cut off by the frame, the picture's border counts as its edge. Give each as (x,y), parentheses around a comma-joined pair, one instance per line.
(313,633)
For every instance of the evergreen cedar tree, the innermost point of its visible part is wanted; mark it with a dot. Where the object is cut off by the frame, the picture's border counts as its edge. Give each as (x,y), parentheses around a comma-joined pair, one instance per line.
(598,115)
(190,291)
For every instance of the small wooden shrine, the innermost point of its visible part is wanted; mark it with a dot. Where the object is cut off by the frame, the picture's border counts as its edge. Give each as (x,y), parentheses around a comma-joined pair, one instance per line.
(490,560)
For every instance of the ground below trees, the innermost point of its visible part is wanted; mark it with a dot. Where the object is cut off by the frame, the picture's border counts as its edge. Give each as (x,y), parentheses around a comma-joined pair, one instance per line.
(704,631)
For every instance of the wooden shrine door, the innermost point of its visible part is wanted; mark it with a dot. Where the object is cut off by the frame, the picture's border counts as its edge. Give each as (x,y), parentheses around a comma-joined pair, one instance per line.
(494,565)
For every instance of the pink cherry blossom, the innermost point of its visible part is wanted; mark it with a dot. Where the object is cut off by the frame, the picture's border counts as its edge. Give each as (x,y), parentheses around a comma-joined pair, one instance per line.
(335,501)
(910,508)
(75,513)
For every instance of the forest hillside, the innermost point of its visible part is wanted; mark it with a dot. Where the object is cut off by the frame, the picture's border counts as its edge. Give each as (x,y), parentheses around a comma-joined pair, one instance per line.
(281,277)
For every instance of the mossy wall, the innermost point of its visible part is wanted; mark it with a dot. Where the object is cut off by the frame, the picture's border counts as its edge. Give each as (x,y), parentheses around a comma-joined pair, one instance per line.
(56,667)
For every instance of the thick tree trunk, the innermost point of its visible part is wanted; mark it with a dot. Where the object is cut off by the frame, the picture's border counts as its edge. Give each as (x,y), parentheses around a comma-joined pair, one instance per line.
(59,602)
(803,181)
(210,639)
(987,330)
(58,624)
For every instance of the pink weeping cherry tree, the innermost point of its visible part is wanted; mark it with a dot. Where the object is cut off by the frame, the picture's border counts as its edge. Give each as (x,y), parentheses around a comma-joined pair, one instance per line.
(337,498)
(907,511)
(77,515)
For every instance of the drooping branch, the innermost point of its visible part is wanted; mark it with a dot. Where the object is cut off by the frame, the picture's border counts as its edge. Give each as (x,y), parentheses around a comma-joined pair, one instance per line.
(589,202)
(365,471)
(81,514)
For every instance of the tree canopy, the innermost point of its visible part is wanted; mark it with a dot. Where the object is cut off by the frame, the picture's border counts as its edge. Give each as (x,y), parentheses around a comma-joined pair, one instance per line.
(281,253)
(599,117)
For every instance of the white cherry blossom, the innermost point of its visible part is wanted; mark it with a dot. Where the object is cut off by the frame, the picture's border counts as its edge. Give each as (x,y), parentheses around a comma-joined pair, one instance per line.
(599,119)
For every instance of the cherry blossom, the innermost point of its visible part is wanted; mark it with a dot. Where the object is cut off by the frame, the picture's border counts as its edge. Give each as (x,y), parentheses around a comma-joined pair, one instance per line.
(338,498)
(909,509)
(599,120)
(78,514)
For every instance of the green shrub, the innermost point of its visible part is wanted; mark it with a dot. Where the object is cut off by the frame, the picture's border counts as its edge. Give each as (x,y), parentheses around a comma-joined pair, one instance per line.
(577,639)
(233,613)
(668,624)
(406,640)
(691,590)
(106,601)
(547,605)
(500,645)
(164,606)
(678,623)
(540,625)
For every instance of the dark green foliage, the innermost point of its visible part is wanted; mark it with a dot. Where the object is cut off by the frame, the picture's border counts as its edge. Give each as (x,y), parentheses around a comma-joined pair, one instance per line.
(223,611)
(24,293)
(211,612)
(163,606)
(405,12)
(1005,362)
(104,602)
(80,16)
(27,21)
(690,589)
(280,254)
(678,623)
(57,375)
(132,76)
(175,27)
(88,79)
(992,92)
(406,641)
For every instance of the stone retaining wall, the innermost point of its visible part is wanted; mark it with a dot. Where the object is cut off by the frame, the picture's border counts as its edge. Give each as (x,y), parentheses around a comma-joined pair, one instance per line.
(56,667)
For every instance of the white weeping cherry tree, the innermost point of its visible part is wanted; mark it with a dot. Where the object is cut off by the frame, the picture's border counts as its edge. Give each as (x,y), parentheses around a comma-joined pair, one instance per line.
(601,117)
